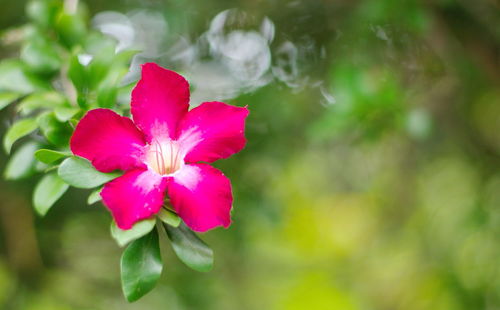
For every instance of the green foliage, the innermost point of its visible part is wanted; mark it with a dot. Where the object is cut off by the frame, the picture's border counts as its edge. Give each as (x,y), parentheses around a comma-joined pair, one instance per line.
(43,13)
(49,156)
(48,190)
(190,249)
(17,131)
(122,237)
(39,101)
(56,132)
(40,55)
(15,77)
(79,172)
(94,196)
(22,163)
(141,266)
(169,217)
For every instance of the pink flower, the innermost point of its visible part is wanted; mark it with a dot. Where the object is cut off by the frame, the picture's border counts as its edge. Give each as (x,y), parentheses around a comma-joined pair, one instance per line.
(160,151)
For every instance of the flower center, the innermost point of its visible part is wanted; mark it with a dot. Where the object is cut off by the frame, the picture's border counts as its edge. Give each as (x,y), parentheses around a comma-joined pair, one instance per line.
(164,157)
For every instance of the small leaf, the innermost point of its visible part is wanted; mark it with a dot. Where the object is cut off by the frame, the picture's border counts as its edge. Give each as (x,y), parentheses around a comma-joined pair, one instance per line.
(14,78)
(73,122)
(169,217)
(49,156)
(79,172)
(7,98)
(141,266)
(139,229)
(190,249)
(63,114)
(101,65)
(47,192)
(94,197)
(40,100)
(78,73)
(55,132)
(106,97)
(17,131)
(71,27)
(22,162)
(40,55)
(42,12)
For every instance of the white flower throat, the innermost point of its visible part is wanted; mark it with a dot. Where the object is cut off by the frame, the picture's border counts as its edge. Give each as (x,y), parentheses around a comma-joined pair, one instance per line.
(164,157)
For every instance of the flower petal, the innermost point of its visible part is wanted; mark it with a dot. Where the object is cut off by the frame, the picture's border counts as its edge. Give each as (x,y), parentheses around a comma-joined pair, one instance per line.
(136,195)
(108,140)
(213,131)
(159,101)
(202,197)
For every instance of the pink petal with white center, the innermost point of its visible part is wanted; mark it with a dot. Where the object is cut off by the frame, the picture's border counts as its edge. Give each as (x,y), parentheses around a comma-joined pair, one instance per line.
(136,195)
(202,197)
(108,140)
(159,101)
(213,131)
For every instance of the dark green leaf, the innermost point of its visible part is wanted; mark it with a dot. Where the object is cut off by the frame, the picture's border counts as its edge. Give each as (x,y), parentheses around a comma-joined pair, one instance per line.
(49,156)
(18,130)
(189,248)
(141,266)
(22,163)
(78,172)
(47,192)
(139,229)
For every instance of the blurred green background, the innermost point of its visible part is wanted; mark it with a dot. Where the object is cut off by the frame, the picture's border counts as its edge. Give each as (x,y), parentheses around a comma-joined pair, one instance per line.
(370,180)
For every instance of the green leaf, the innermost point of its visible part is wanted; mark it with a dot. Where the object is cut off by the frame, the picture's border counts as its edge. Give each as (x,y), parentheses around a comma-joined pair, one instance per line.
(94,197)
(78,73)
(63,114)
(47,192)
(17,131)
(22,163)
(139,229)
(43,100)
(49,156)
(74,122)
(7,98)
(190,249)
(106,97)
(71,28)
(169,217)
(42,12)
(14,78)
(79,172)
(101,65)
(141,266)
(55,132)
(40,55)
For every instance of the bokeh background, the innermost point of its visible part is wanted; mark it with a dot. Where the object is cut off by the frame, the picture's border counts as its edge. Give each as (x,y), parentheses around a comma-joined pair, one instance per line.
(371,176)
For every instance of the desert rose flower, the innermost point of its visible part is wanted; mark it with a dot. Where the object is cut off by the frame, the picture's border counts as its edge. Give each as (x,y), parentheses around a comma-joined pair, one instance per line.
(160,151)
